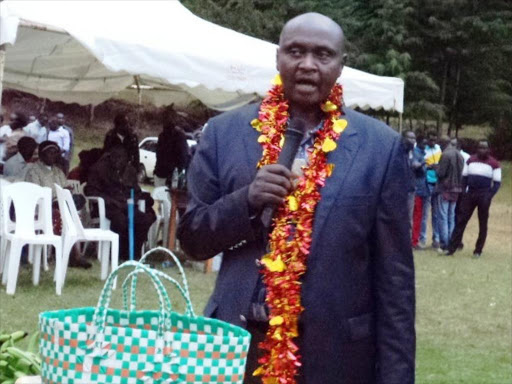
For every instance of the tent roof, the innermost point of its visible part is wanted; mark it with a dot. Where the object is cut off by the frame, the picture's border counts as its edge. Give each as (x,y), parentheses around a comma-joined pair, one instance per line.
(89,51)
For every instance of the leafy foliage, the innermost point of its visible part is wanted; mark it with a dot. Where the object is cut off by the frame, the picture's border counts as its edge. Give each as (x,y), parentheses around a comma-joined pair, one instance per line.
(454,55)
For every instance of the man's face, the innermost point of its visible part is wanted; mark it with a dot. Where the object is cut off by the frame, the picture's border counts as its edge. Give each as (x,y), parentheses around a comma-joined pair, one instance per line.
(60,119)
(409,140)
(54,125)
(13,117)
(49,156)
(43,120)
(483,150)
(432,141)
(309,59)
(422,144)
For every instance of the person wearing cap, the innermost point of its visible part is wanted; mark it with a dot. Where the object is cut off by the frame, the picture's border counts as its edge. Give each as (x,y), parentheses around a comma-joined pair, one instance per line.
(46,173)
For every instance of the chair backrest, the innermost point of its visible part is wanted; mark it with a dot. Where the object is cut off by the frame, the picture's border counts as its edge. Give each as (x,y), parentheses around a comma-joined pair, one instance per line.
(71,223)
(161,194)
(3,183)
(26,198)
(75,186)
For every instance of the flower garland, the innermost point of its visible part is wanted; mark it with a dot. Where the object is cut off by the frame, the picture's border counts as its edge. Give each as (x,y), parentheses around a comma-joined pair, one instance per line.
(291,237)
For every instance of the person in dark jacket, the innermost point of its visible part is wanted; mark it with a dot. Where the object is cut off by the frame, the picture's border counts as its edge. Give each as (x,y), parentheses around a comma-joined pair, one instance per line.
(480,183)
(357,291)
(123,135)
(449,186)
(111,179)
(171,151)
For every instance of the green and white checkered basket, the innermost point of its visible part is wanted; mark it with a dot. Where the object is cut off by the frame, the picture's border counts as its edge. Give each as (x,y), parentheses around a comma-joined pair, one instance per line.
(103,345)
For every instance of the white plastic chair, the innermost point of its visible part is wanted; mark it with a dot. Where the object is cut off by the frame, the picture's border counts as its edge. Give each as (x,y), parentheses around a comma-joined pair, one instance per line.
(3,183)
(75,186)
(73,231)
(38,225)
(161,224)
(26,197)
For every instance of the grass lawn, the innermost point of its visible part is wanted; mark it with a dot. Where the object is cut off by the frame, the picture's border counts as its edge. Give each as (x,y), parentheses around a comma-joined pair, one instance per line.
(464,311)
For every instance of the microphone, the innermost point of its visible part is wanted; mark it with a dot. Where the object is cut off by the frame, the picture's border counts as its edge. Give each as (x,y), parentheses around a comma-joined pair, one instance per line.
(292,137)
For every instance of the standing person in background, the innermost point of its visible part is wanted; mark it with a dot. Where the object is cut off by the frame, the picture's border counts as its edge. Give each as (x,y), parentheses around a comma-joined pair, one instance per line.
(123,135)
(171,151)
(37,129)
(60,136)
(5,132)
(482,176)
(432,156)
(422,192)
(449,187)
(11,143)
(68,155)
(16,167)
(409,141)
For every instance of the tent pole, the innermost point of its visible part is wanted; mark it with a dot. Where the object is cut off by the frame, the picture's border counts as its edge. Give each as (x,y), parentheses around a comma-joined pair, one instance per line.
(400,122)
(2,65)
(139,99)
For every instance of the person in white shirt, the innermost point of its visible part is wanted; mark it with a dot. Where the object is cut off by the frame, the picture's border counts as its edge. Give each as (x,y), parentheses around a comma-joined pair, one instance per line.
(5,132)
(16,167)
(59,135)
(37,129)
(62,123)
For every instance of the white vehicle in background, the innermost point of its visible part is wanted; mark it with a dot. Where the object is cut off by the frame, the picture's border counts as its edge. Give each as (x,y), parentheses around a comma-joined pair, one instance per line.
(147,155)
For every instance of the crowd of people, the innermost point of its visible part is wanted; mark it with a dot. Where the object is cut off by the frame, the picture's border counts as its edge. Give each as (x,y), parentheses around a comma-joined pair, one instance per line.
(449,184)
(39,150)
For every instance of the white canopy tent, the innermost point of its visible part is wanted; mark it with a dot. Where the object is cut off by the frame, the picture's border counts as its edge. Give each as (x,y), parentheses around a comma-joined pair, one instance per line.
(90,51)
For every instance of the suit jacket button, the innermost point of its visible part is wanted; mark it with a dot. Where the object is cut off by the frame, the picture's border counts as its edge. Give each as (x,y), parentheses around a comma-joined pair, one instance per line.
(242,317)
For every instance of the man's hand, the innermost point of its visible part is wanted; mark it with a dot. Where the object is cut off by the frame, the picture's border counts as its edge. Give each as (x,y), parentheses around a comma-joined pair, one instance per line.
(270,186)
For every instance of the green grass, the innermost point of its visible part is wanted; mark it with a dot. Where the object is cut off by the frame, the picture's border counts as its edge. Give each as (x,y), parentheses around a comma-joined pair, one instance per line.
(464,311)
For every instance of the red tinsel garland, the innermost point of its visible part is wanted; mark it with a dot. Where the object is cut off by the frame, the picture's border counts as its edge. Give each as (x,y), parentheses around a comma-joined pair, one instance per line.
(291,236)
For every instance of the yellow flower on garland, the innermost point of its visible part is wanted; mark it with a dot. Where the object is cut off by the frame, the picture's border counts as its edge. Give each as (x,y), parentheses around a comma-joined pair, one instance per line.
(276,320)
(292,203)
(277,80)
(262,139)
(276,265)
(256,124)
(329,106)
(339,125)
(329,145)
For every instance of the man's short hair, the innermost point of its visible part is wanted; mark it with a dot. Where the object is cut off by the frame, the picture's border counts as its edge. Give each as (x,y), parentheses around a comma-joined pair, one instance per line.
(27,145)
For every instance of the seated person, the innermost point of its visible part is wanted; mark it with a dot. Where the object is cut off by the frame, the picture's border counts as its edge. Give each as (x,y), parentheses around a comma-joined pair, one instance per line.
(87,159)
(46,173)
(17,166)
(112,178)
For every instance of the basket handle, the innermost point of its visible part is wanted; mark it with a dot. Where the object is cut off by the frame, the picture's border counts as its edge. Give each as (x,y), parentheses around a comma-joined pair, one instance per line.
(133,276)
(100,313)
(184,290)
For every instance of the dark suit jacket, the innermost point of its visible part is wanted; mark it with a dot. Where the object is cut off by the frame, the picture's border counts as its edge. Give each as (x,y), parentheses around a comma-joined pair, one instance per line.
(358,291)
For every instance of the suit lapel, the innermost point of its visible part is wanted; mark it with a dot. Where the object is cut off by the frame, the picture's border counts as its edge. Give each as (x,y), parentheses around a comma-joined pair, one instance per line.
(342,158)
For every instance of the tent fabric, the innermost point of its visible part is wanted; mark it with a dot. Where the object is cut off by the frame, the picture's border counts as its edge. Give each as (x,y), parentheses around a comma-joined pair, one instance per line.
(94,48)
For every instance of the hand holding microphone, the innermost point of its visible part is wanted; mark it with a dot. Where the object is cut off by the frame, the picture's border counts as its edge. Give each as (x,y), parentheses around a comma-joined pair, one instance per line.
(274,182)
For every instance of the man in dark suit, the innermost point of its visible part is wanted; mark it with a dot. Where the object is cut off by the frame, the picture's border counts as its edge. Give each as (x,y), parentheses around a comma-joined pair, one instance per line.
(358,290)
